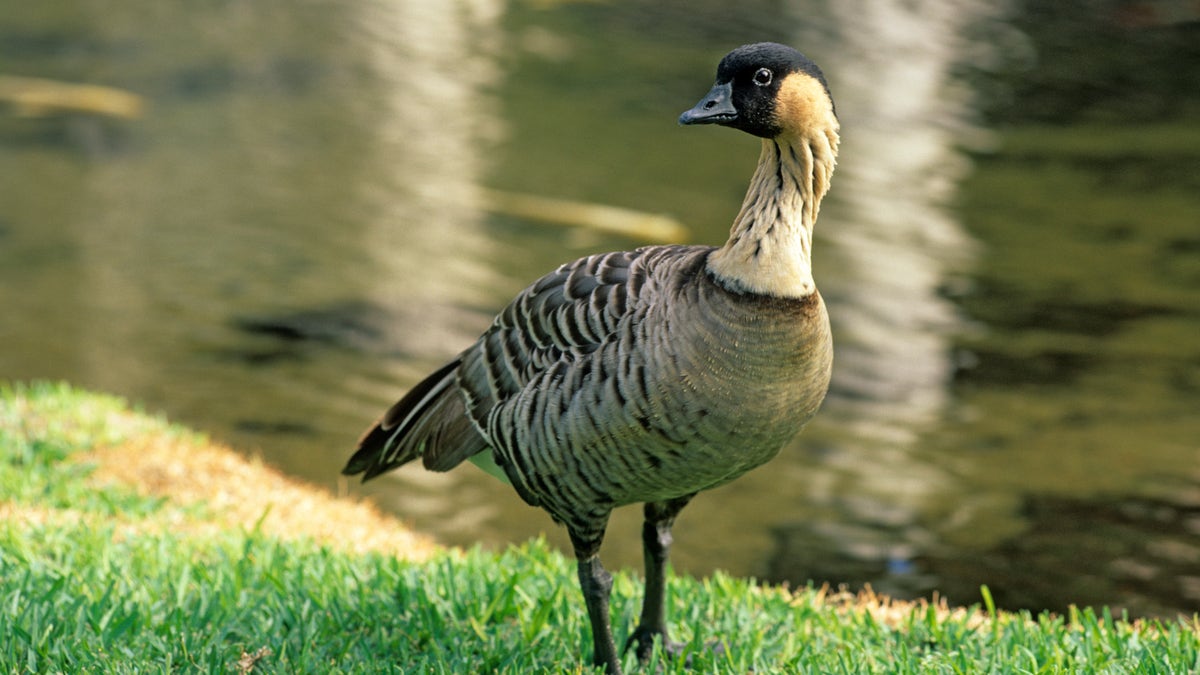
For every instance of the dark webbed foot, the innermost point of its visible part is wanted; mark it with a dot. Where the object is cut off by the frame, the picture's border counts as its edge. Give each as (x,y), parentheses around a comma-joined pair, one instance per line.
(642,642)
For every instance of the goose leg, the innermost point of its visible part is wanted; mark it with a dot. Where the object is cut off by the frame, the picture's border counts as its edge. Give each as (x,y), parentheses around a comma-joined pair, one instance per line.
(656,543)
(596,583)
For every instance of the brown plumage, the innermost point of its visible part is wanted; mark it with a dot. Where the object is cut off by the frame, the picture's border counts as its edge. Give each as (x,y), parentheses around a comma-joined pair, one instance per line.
(648,376)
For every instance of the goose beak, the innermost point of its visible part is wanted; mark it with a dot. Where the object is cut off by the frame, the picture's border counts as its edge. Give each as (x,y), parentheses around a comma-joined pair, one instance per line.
(715,108)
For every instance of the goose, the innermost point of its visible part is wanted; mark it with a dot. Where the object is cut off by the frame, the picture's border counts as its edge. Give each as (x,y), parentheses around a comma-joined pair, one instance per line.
(648,376)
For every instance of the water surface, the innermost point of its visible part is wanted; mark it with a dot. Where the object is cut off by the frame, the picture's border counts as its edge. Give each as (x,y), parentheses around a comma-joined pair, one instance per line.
(295,231)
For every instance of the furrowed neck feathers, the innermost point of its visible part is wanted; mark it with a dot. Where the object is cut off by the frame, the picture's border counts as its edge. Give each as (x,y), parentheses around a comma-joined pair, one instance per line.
(769,251)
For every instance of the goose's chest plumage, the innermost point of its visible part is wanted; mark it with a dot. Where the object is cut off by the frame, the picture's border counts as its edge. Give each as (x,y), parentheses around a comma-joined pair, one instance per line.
(689,387)
(740,373)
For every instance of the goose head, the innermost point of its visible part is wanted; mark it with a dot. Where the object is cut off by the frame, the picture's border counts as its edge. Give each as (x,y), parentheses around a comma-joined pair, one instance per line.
(768,90)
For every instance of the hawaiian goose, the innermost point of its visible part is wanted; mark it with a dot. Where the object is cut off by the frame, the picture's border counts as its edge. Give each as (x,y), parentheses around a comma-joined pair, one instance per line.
(650,375)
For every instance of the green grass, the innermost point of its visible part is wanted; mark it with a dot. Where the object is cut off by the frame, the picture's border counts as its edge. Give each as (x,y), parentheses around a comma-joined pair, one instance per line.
(83,589)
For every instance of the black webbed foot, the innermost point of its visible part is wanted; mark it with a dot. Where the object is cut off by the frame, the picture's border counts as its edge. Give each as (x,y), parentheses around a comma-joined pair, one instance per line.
(642,642)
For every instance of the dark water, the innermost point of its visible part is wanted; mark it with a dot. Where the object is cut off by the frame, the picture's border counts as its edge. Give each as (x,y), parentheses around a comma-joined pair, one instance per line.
(295,230)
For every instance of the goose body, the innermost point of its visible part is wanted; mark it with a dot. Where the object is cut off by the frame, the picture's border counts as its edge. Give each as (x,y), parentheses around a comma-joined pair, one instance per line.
(648,376)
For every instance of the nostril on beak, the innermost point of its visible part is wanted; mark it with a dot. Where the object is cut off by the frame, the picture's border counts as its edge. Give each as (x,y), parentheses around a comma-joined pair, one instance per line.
(709,105)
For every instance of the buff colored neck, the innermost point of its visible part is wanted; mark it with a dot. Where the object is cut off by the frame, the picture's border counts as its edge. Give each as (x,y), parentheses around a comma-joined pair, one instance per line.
(770,245)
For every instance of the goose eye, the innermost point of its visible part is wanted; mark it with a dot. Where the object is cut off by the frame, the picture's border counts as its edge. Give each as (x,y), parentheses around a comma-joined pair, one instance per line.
(763,77)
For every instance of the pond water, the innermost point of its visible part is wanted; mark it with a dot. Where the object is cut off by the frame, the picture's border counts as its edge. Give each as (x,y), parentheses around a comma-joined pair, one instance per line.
(299,223)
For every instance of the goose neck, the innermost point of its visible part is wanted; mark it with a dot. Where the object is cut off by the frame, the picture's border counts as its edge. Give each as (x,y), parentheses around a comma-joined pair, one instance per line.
(770,245)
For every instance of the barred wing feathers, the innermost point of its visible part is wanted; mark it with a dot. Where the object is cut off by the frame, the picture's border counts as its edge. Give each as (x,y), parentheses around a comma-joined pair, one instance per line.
(540,341)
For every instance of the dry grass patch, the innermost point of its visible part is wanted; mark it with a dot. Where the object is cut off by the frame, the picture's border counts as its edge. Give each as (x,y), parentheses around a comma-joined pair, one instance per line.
(245,493)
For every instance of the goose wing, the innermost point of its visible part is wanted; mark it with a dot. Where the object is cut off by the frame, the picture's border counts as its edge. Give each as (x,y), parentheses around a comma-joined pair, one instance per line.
(562,317)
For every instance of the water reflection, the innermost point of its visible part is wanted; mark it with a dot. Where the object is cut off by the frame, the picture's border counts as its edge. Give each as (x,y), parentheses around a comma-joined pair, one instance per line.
(433,124)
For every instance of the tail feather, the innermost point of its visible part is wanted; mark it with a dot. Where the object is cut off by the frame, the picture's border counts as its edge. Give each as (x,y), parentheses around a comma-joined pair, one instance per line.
(430,421)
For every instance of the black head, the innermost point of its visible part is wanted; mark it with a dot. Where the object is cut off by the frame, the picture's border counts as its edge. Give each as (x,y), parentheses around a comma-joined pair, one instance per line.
(765,89)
